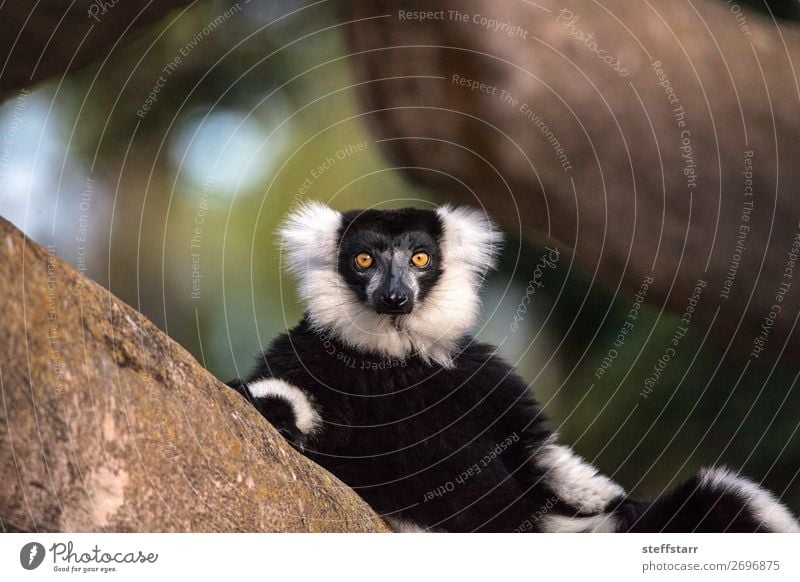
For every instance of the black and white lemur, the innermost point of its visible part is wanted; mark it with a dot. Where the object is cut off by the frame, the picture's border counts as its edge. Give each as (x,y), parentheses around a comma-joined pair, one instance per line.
(382,384)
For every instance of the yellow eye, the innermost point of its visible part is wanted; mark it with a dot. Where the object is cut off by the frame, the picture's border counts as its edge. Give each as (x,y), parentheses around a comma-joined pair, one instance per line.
(363,260)
(421,259)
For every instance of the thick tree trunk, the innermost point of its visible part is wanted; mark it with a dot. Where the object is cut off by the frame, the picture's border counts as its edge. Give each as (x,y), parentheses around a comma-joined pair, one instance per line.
(108,425)
(652,139)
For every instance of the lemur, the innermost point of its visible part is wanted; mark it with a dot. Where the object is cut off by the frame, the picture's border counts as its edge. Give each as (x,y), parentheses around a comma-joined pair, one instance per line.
(382,384)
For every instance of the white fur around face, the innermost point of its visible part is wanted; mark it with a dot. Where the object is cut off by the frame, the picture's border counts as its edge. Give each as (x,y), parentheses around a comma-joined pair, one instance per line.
(469,244)
(309,242)
(760,502)
(307,418)
(574,481)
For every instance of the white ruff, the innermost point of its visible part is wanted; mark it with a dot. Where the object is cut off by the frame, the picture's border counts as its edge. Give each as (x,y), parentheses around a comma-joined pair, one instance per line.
(469,245)
(760,502)
(575,481)
(307,418)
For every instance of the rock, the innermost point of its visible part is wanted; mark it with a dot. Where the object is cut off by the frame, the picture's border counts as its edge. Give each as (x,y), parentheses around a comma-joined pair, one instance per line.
(108,425)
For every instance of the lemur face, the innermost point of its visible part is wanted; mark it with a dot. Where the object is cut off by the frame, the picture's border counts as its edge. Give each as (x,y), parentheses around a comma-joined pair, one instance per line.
(390,259)
(391,282)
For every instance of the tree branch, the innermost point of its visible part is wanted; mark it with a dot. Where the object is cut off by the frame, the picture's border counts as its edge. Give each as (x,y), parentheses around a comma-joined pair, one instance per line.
(108,425)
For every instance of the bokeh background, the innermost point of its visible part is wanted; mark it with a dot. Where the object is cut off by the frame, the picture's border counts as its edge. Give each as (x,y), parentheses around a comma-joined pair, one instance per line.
(166,186)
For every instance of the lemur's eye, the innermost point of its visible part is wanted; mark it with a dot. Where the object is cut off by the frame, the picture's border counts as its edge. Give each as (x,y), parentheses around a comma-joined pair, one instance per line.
(421,259)
(364,260)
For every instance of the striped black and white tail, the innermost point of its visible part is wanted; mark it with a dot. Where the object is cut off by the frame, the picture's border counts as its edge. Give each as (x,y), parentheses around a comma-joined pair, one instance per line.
(714,500)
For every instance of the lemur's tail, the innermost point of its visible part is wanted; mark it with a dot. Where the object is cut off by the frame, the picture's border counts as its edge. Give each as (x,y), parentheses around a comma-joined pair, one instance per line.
(714,500)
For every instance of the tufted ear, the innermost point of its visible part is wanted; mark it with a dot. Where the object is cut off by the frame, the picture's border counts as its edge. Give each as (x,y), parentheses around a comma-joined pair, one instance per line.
(470,238)
(309,239)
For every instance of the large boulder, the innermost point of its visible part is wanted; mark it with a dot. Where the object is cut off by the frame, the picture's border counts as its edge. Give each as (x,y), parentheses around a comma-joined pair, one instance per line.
(108,425)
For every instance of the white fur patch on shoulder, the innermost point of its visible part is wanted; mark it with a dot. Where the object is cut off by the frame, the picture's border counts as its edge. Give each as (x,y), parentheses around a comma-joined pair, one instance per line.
(307,418)
(761,503)
(575,481)
(603,523)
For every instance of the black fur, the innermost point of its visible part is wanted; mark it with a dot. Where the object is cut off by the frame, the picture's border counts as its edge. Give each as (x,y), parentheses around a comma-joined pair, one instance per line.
(277,411)
(379,231)
(689,508)
(405,436)
(456,448)
(399,430)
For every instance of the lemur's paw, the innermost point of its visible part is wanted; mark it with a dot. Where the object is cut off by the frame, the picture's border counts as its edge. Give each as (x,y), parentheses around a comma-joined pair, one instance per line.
(240,386)
(296,438)
(288,408)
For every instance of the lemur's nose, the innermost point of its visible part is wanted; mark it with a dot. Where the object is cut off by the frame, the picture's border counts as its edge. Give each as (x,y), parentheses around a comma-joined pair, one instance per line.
(395,299)
(395,302)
